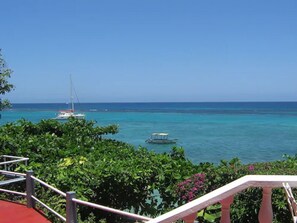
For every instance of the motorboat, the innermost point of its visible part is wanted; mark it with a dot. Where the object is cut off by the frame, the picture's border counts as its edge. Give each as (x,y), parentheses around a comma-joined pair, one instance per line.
(160,138)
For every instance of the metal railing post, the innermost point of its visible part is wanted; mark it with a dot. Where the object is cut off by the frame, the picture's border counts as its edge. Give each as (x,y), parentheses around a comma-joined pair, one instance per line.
(5,165)
(30,189)
(71,216)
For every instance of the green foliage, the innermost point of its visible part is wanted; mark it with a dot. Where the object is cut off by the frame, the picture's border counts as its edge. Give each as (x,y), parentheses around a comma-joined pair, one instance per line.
(5,86)
(73,156)
(210,214)
(246,205)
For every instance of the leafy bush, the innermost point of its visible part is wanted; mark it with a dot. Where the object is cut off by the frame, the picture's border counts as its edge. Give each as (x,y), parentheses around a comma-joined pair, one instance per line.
(74,156)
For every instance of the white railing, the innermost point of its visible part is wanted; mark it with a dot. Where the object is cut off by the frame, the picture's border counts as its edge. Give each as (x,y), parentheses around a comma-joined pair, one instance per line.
(111,210)
(225,194)
(187,212)
(70,199)
(8,161)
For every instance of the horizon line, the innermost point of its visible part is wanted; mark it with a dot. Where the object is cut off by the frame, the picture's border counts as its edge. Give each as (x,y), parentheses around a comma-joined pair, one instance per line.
(156,102)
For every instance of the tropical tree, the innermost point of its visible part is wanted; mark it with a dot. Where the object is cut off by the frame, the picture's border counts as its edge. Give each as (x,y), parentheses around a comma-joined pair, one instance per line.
(5,86)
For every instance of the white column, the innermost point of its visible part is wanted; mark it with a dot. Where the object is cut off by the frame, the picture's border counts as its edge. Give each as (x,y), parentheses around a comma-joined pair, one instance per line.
(265,213)
(190,218)
(225,216)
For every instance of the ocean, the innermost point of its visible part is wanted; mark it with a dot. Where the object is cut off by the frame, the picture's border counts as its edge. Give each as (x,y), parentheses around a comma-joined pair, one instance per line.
(208,132)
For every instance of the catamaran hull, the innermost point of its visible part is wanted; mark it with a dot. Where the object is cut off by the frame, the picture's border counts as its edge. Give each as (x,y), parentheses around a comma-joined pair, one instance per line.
(67,116)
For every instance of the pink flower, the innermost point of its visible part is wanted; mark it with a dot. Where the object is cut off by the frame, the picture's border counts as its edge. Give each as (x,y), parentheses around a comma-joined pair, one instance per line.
(251,168)
(190,188)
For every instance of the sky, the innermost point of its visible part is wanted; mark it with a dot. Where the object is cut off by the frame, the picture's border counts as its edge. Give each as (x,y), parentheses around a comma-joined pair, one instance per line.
(150,50)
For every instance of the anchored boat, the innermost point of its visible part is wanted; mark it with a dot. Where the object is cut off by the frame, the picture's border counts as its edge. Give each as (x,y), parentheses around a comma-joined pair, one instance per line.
(65,114)
(160,138)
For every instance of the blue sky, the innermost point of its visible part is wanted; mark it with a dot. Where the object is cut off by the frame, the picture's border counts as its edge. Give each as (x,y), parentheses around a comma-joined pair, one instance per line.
(151,50)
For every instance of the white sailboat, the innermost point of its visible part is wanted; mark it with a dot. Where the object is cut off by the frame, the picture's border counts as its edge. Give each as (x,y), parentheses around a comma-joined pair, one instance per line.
(65,114)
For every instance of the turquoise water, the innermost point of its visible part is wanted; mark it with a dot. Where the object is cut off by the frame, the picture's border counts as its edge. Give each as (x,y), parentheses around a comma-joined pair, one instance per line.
(253,132)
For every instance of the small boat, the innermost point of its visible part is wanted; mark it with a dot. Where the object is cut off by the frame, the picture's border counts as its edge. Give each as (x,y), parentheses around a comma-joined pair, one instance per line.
(65,114)
(160,138)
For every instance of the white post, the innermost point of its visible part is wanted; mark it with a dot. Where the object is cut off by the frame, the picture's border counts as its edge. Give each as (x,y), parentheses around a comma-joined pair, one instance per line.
(5,166)
(225,216)
(265,213)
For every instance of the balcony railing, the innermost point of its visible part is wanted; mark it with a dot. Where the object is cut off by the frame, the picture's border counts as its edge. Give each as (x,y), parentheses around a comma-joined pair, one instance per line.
(9,161)
(187,212)
(70,198)
(225,194)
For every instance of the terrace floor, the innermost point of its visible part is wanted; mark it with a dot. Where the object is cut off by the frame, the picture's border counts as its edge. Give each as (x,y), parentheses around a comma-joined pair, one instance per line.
(17,213)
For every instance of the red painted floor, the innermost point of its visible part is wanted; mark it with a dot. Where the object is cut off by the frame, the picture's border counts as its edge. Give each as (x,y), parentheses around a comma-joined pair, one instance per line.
(17,213)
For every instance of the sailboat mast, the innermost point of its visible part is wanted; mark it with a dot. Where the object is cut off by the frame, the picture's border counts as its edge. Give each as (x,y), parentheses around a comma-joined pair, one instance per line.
(71,94)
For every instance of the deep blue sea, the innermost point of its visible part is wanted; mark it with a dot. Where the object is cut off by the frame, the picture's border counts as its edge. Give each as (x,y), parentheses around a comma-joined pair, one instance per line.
(209,132)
